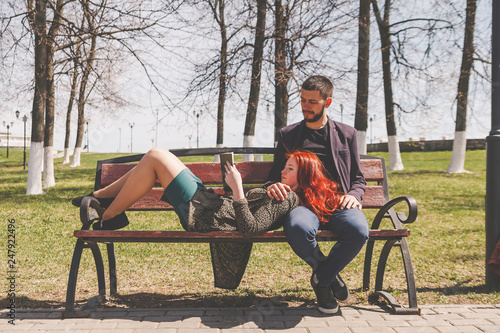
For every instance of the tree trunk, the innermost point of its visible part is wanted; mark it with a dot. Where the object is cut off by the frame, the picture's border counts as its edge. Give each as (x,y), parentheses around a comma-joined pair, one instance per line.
(361,118)
(35,163)
(75,161)
(223,76)
(68,114)
(395,162)
(457,163)
(281,73)
(253,100)
(48,162)
(48,157)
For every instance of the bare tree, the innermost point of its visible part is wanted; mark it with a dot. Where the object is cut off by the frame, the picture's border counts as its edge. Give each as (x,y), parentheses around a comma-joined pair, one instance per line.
(361,119)
(74,83)
(37,16)
(253,100)
(90,18)
(460,143)
(48,160)
(395,161)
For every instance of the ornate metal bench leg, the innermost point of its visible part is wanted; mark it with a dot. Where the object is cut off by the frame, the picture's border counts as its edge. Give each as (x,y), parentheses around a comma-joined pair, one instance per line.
(368,264)
(410,279)
(73,277)
(113,290)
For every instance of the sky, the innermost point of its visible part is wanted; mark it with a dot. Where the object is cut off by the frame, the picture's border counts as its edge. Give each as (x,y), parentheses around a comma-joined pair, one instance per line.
(176,125)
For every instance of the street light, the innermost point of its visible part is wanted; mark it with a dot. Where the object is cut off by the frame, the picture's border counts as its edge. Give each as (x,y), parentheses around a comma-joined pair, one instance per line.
(197,128)
(88,146)
(131,137)
(25,119)
(371,129)
(8,127)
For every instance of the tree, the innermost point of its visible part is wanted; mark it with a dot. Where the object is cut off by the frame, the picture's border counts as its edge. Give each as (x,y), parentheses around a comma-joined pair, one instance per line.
(90,19)
(460,143)
(37,16)
(361,118)
(48,160)
(395,162)
(255,80)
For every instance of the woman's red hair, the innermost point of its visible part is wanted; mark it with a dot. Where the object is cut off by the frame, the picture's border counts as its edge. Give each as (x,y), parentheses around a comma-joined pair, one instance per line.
(316,192)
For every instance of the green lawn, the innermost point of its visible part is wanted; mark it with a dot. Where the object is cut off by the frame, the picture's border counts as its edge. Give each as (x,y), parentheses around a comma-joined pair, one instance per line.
(447,243)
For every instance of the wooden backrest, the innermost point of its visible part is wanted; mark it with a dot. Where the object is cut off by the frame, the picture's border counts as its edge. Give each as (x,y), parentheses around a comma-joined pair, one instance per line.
(254,174)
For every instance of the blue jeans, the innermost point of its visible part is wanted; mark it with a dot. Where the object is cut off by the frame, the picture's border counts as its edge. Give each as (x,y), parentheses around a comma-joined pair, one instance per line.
(301,226)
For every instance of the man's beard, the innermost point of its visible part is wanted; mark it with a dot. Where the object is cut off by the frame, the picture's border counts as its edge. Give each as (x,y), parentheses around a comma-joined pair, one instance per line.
(316,117)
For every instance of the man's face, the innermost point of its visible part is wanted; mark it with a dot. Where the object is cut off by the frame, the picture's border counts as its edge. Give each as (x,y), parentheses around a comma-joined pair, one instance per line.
(313,105)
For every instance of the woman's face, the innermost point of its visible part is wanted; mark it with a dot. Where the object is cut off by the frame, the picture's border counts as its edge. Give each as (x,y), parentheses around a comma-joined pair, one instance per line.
(289,174)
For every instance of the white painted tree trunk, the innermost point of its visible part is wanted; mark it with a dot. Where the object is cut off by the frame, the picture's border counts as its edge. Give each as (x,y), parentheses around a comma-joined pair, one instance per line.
(457,162)
(75,160)
(66,156)
(216,156)
(395,162)
(48,168)
(361,142)
(35,164)
(248,141)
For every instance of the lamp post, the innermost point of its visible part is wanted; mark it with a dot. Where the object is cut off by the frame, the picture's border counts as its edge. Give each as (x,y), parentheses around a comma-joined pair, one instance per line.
(197,128)
(131,135)
(25,119)
(8,127)
(492,207)
(88,146)
(371,129)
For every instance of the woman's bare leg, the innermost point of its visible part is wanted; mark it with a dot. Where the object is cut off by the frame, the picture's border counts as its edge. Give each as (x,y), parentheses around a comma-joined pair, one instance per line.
(156,164)
(112,190)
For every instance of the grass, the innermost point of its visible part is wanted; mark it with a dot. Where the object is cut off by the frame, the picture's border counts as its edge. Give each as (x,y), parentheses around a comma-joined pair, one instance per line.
(446,242)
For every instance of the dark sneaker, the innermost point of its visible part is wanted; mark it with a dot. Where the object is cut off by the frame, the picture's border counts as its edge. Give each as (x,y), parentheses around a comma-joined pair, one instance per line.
(103,202)
(339,289)
(324,297)
(117,222)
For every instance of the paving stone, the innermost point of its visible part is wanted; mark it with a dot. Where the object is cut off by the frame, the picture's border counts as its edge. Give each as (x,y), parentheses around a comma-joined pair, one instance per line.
(372,330)
(470,322)
(460,329)
(159,330)
(291,330)
(329,330)
(415,329)
(191,330)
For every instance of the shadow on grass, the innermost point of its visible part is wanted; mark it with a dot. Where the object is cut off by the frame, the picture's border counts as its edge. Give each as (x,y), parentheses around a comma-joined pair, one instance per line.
(459,289)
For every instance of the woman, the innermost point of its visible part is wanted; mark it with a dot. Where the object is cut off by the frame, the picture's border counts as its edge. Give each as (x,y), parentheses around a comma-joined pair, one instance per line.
(200,209)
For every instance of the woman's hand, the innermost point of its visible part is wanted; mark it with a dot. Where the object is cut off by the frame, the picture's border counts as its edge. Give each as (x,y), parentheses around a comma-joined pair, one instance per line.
(278,191)
(233,180)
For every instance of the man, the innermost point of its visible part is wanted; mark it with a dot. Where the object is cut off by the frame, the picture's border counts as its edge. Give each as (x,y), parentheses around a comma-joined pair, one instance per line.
(336,146)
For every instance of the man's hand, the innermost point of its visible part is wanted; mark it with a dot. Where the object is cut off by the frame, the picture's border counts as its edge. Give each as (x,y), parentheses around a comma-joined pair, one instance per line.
(278,191)
(348,202)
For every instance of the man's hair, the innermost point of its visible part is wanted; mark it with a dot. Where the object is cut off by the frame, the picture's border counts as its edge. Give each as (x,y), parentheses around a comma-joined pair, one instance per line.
(321,83)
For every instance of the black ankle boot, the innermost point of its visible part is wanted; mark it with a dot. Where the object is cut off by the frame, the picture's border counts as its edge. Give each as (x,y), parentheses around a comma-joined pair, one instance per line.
(117,222)
(103,202)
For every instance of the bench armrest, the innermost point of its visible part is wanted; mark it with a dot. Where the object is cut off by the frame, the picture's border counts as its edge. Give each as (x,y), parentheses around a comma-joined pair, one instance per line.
(399,217)
(90,210)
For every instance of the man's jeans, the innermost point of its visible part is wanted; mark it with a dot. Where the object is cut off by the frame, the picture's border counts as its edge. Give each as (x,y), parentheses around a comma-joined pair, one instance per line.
(350,225)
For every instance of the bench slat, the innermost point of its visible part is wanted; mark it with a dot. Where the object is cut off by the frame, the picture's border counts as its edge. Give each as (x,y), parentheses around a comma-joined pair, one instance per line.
(209,173)
(229,236)
(374,198)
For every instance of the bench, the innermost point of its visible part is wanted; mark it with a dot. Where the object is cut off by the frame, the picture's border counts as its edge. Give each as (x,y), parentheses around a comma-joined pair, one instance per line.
(253,173)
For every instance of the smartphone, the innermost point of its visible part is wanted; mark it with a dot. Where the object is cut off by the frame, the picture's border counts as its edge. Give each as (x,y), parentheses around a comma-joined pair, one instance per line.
(224,157)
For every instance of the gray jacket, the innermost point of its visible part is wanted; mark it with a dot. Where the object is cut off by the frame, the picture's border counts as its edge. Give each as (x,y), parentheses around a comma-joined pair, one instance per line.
(209,211)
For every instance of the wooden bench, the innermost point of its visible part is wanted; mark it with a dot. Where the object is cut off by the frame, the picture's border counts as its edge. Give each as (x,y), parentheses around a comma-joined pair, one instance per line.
(255,173)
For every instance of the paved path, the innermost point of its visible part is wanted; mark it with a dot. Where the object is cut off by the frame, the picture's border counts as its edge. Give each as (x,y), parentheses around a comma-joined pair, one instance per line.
(353,319)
